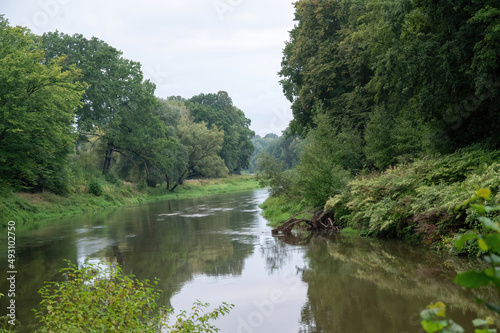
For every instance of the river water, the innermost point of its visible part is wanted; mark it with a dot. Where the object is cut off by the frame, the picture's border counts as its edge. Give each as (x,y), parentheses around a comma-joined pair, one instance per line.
(220,249)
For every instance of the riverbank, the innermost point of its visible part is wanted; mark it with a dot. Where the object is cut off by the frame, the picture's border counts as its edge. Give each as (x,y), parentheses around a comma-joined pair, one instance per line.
(413,201)
(28,208)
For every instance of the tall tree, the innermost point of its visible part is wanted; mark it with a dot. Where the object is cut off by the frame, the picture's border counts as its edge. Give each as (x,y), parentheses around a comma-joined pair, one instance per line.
(118,105)
(218,109)
(202,146)
(38,101)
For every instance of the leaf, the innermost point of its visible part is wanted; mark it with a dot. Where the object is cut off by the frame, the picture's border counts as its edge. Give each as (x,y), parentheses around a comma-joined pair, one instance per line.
(484,193)
(454,328)
(472,279)
(493,242)
(488,223)
(430,326)
(479,208)
(459,243)
(480,322)
(492,259)
(441,309)
(482,244)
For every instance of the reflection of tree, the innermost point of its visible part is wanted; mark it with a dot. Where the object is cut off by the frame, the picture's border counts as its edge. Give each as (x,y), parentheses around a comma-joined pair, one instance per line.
(172,250)
(356,285)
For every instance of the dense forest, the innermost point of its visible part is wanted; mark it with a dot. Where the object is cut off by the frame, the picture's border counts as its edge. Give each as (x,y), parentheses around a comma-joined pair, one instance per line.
(74,110)
(397,105)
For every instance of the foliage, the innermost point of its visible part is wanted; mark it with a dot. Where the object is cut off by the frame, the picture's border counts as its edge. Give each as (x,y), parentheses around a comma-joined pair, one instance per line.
(285,148)
(418,199)
(320,169)
(95,187)
(202,147)
(197,321)
(489,242)
(270,174)
(38,99)
(100,299)
(91,299)
(371,67)
(218,110)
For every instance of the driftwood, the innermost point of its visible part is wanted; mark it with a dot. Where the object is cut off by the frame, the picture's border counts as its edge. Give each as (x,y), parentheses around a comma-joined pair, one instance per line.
(319,221)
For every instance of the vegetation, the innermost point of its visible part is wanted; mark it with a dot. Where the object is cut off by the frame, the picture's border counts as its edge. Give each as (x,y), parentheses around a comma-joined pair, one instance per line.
(434,317)
(389,148)
(109,301)
(29,208)
(76,118)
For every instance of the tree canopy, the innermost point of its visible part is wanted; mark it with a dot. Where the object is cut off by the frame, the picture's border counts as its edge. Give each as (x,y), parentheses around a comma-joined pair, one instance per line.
(73,107)
(218,109)
(410,77)
(38,98)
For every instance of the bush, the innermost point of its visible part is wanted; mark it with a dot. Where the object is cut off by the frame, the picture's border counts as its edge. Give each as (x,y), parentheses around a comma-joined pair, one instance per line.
(95,187)
(418,200)
(103,299)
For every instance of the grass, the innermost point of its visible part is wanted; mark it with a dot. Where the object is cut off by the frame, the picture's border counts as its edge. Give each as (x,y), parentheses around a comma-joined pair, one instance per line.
(29,208)
(279,209)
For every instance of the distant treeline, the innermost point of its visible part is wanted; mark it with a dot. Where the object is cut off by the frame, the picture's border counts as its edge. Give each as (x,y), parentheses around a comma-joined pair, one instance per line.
(72,109)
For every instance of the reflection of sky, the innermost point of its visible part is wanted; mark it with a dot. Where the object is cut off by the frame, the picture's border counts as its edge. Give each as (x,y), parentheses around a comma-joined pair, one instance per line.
(87,246)
(265,300)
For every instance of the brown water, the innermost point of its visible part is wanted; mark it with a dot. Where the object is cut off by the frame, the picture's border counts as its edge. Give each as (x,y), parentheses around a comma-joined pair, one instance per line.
(219,249)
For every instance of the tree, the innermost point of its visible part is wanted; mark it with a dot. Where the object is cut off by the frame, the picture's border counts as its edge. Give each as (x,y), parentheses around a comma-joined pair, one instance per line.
(217,109)
(202,146)
(38,100)
(119,105)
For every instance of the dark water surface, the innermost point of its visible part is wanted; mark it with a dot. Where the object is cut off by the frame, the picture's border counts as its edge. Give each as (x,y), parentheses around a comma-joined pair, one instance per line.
(219,249)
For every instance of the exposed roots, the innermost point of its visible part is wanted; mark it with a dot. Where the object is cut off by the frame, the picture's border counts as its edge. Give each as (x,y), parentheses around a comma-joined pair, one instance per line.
(319,221)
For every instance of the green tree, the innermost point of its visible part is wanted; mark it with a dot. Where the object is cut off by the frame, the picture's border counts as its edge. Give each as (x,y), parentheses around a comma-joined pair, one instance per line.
(202,146)
(218,109)
(119,106)
(38,100)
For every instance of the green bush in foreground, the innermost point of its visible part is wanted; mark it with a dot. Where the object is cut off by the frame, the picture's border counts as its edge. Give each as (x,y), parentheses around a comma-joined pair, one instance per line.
(93,299)
(434,317)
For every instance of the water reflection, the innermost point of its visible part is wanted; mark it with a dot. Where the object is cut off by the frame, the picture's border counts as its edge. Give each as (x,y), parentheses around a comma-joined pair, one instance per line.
(359,285)
(220,249)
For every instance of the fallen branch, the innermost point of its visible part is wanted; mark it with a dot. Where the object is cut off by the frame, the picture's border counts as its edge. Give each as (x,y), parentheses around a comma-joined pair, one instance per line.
(319,221)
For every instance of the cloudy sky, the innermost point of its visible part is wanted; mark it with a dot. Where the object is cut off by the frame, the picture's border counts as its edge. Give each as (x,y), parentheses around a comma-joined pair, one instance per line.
(185,47)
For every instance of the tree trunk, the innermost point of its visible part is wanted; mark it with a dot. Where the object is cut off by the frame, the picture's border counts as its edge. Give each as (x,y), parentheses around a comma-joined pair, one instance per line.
(107,159)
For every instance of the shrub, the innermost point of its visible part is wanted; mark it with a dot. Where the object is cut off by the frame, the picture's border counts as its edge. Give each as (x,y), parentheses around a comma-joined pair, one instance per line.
(103,299)
(95,187)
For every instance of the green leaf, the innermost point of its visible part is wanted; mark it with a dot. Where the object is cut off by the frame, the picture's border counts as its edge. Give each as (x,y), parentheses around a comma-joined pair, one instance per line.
(480,322)
(482,244)
(493,242)
(488,223)
(479,208)
(484,193)
(431,327)
(472,279)
(459,243)
(492,259)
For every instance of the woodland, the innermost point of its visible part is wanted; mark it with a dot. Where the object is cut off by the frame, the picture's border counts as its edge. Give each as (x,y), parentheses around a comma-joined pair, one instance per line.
(74,113)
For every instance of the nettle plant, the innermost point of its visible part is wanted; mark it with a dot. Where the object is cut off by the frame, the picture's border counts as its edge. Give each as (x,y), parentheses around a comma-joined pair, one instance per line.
(97,299)
(488,240)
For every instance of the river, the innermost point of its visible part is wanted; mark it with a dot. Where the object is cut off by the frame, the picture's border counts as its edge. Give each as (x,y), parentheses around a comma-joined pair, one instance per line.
(220,249)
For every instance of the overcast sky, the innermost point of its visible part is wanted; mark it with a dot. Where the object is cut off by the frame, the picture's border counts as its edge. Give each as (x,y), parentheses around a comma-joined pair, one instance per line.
(185,47)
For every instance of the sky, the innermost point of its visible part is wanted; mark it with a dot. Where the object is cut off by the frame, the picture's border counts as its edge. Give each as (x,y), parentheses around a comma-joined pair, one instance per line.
(185,47)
